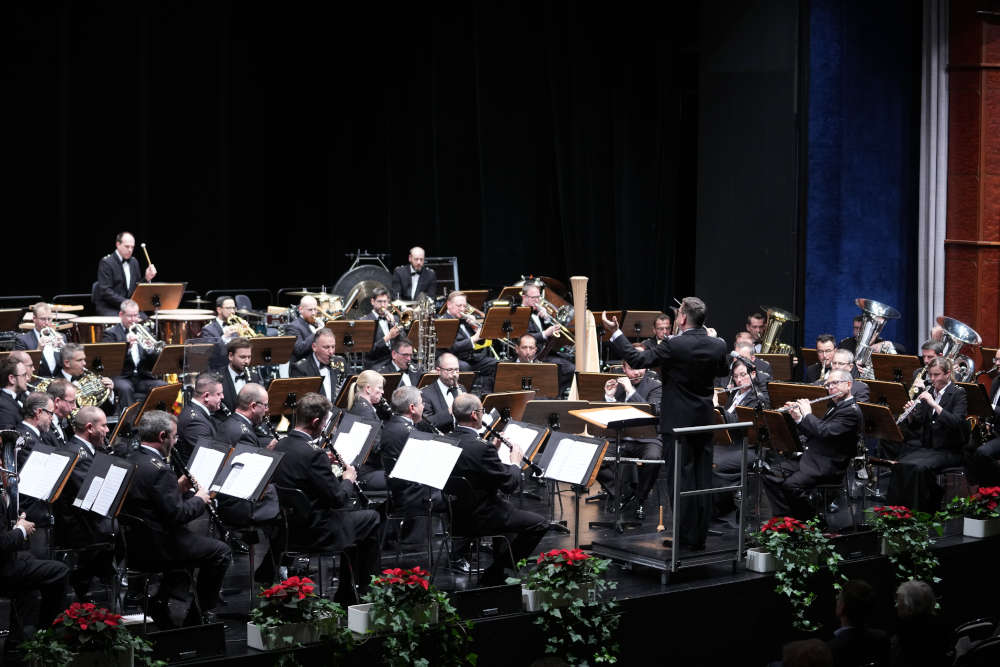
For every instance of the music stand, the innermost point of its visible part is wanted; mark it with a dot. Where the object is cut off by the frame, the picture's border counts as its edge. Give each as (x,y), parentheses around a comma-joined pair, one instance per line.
(271,350)
(640,324)
(879,422)
(510,403)
(476,297)
(125,428)
(590,386)
(745,414)
(979,402)
(555,415)
(509,293)
(781,365)
(177,359)
(783,392)
(159,398)
(635,432)
(722,437)
(283,393)
(344,392)
(517,432)
(106,358)
(780,436)
(391,383)
(34,478)
(891,394)
(465,379)
(809,356)
(427,459)
(896,367)
(104,488)
(353,336)
(245,474)
(10,318)
(987,354)
(158,296)
(510,322)
(563,448)
(446,329)
(541,378)
(348,447)
(36,356)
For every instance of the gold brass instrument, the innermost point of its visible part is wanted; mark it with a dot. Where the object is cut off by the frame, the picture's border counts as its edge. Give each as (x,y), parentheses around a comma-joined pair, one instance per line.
(53,339)
(552,314)
(243,328)
(769,341)
(426,351)
(956,335)
(919,384)
(145,338)
(874,316)
(90,391)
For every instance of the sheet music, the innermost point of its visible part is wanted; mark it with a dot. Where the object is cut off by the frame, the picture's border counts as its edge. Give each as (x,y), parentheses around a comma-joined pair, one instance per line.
(245,472)
(571,460)
(350,443)
(426,462)
(88,499)
(604,416)
(31,474)
(205,464)
(109,490)
(521,436)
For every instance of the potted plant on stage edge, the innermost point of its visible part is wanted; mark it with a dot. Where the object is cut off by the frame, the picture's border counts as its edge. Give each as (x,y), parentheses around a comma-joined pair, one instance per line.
(419,624)
(980,512)
(84,635)
(799,549)
(906,541)
(291,613)
(568,587)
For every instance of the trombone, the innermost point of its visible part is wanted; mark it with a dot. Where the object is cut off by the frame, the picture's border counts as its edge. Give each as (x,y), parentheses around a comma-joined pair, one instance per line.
(552,314)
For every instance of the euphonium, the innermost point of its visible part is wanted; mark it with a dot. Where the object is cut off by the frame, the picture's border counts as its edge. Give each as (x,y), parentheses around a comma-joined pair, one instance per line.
(956,336)
(244,329)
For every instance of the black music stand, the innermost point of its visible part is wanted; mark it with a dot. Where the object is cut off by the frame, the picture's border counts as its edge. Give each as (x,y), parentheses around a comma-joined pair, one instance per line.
(979,402)
(283,393)
(541,378)
(236,465)
(554,452)
(106,358)
(510,322)
(271,350)
(179,359)
(104,488)
(391,383)
(344,392)
(158,296)
(532,448)
(879,422)
(896,367)
(556,415)
(125,428)
(891,394)
(430,377)
(640,324)
(347,424)
(511,403)
(160,398)
(353,336)
(590,386)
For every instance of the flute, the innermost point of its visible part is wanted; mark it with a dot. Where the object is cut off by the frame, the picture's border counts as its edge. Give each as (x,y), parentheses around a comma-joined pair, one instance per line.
(786,408)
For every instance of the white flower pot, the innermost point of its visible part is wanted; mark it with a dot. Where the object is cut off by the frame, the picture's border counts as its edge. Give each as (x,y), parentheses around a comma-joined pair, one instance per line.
(532,599)
(359,616)
(301,633)
(759,560)
(980,527)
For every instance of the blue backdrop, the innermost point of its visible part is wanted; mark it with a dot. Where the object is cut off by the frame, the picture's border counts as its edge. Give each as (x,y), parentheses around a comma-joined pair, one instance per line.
(863,160)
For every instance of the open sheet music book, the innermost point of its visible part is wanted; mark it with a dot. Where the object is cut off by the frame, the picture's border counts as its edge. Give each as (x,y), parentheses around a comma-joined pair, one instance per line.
(207,458)
(245,474)
(426,459)
(573,459)
(44,474)
(104,488)
(354,439)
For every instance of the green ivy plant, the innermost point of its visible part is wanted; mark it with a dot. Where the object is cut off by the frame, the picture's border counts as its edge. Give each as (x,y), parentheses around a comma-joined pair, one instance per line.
(85,627)
(983,504)
(294,601)
(577,619)
(907,536)
(401,602)
(800,549)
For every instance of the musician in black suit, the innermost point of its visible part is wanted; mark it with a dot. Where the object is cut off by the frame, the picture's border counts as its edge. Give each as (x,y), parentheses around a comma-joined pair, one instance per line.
(218,332)
(74,367)
(413,279)
(322,363)
(638,386)
(832,442)
(931,349)
(63,395)
(15,383)
(689,362)
(387,327)
(744,338)
(332,524)
(399,362)
(136,379)
(237,373)
(367,394)
(543,328)
(984,464)
(165,542)
(748,391)
(825,347)
(936,430)
(196,419)
(35,426)
(49,345)
(490,479)
(843,360)
(117,276)
(663,326)
(303,327)
(439,396)
(756,322)
(464,348)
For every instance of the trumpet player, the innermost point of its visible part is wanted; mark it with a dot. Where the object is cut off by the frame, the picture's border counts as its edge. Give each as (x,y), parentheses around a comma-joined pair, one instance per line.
(466,339)
(238,372)
(74,367)
(387,329)
(304,327)
(141,353)
(15,384)
(117,275)
(219,332)
(542,328)
(43,337)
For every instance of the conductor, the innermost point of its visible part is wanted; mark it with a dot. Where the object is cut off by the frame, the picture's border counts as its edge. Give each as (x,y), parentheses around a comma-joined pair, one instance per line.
(689,364)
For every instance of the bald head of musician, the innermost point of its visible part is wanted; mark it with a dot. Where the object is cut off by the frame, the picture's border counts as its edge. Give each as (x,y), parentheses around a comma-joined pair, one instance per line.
(63,395)
(527,348)
(755,325)
(252,402)
(208,391)
(409,403)
(15,377)
(240,354)
(308,308)
(468,411)
(447,368)
(125,247)
(91,424)
(369,386)
(416,258)
(324,345)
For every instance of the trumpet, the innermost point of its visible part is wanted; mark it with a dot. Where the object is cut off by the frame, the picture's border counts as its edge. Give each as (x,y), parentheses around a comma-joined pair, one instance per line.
(48,336)
(243,328)
(145,338)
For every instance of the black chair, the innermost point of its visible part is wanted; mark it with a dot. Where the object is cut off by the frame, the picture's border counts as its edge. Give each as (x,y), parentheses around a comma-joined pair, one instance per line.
(984,653)
(461,499)
(397,516)
(136,529)
(296,508)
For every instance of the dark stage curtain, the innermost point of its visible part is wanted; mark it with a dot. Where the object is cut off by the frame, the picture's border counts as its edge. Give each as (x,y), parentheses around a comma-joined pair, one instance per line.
(253,144)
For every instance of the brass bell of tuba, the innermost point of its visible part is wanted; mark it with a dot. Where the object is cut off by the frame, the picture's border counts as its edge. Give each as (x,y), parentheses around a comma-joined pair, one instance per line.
(957,335)
(769,340)
(874,316)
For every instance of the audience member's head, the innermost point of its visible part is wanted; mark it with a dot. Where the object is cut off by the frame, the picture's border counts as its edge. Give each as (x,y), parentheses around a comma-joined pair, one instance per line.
(807,653)
(914,598)
(855,603)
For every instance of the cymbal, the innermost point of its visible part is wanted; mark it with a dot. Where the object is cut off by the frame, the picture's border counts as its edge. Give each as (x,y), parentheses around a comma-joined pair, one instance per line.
(306,293)
(198,301)
(250,313)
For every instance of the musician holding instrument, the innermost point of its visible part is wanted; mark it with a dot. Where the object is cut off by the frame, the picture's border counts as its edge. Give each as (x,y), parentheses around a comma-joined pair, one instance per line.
(843,360)
(825,347)
(196,420)
(35,427)
(367,394)
(984,464)
(388,327)
(43,337)
(832,440)
(935,431)
(166,505)
(440,395)
(15,384)
(411,280)
(220,331)
(399,362)
(117,275)
(304,327)
(140,355)
(663,326)
(527,350)
(727,459)
(756,322)
(331,524)
(238,372)
(542,326)
(63,395)
(930,350)
(467,347)
(322,363)
(97,389)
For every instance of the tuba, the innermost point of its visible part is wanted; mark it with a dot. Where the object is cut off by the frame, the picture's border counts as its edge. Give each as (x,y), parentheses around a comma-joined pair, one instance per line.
(956,335)
(874,316)
(769,341)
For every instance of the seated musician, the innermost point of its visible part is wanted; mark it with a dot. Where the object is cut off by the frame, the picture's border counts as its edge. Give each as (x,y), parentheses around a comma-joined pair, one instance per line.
(164,542)
(322,363)
(136,379)
(851,342)
(387,327)
(243,427)
(727,459)
(74,367)
(196,420)
(332,524)
(14,378)
(49,343)
(527,350)
(756,321)
(303,327)
(638,386)
(843,360)
(78,529)
(237,372)
(879,346)
(984,463)
(117,275)
(399,362)
(219,332)
(439,396)
(490,479)
(466,339)
(663,326)
(817,373)
(935,433)
(63,395)
(760,369)
(930,350)
(544,329)
(413,279)
(35,426)
(832,442)
(367,393)
(744,338)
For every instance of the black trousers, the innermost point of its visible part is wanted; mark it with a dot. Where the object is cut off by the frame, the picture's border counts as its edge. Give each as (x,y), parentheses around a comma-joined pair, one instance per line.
(128,386)
(914,478)
(695,473)
(22,573)
(190,550)
(522,531)
(789,483)
(648,472)
(984,464)
(358,545)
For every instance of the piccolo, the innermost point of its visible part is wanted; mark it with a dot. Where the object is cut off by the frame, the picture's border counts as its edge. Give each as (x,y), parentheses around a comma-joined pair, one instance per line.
(786,408)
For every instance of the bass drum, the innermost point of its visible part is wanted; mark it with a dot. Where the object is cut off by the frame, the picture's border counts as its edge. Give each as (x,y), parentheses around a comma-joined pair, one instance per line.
(363,280)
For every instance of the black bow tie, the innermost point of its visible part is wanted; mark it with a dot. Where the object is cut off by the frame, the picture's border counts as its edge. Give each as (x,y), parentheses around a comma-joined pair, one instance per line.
(414,273)
(453,391)
(243,376)
(124,261)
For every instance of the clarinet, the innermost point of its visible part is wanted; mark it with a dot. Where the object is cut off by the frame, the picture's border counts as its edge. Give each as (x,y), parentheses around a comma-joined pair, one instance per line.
(210,505)
(384,406)
(338,466)
(493,432)
(266,428)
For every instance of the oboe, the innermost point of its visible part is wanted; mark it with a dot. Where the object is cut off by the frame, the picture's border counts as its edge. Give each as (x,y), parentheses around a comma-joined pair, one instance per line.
(786,408)
(210,505)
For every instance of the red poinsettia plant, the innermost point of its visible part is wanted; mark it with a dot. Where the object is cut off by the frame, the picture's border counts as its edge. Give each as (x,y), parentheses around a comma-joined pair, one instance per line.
(87,625)
(401,586)
(983,504)
(85,628)
(294,600)
(907,540)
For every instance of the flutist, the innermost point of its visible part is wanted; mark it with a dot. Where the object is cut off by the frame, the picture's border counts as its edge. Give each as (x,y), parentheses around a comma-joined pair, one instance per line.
(832,440)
